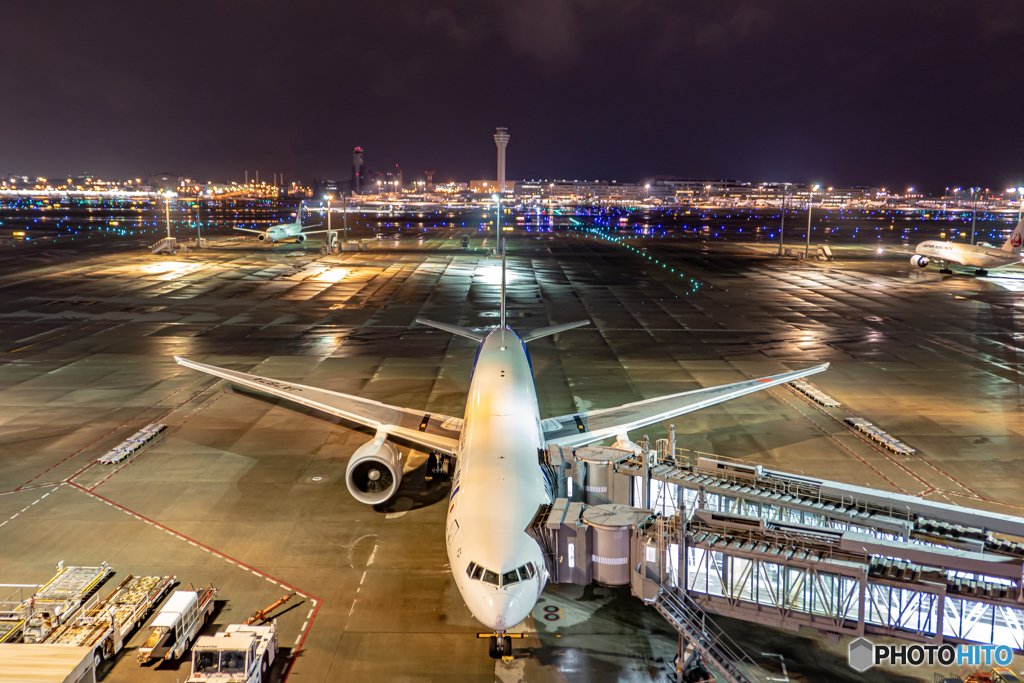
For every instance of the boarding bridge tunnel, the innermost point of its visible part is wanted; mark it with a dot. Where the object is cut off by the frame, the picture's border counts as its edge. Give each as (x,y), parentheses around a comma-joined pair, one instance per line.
(701,534)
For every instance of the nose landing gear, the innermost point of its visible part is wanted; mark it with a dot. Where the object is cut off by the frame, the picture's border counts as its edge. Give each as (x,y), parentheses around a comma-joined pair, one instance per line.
(500,647)
(500,644)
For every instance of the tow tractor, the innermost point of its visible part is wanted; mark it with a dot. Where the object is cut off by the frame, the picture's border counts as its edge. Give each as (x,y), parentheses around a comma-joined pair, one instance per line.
(177,624)
(240,652)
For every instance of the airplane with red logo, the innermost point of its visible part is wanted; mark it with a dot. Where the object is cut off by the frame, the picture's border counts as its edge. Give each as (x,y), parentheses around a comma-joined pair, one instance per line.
(978,256)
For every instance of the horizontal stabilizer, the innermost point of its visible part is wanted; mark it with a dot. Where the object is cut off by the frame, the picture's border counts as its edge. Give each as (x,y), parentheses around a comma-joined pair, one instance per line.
(454,329)
(554,329)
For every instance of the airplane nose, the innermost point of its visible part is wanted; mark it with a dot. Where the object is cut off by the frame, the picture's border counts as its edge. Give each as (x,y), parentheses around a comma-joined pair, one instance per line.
(501,609)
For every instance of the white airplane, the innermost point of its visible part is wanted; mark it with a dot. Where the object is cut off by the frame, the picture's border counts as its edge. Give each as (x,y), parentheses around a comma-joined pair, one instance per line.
(284,231)
(979,256)
(498,483)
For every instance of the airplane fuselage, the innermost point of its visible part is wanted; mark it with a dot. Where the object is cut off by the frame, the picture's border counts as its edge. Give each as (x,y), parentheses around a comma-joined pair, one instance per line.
(972,255)
(283,231)
(497,487)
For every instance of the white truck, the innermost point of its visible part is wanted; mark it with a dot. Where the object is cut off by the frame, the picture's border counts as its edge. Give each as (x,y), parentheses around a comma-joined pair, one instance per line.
(177,624)
(238,653)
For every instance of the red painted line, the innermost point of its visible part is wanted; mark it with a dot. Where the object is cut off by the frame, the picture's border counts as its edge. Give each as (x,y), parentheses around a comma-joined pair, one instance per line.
(149,446)
(317,601)
(841,444)
(972,495)
(135,417)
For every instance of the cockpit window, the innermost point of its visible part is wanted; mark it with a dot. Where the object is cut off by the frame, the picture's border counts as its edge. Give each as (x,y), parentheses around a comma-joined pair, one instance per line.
(479,573)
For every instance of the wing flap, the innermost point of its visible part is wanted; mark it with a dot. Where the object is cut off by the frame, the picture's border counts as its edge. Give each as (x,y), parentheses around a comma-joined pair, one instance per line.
(582,428)
(439,432)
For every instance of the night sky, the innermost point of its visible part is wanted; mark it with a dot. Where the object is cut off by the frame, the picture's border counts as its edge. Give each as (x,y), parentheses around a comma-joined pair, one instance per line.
(894,93)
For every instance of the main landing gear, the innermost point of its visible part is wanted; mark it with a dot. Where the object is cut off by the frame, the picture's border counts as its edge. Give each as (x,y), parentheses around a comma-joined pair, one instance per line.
(438,465)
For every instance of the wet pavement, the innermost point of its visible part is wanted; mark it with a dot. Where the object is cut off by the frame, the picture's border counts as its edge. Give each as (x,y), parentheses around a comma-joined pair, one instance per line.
(248,493)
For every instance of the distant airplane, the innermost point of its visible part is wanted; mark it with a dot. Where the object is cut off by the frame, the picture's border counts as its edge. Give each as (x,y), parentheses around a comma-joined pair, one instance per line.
(284,231)
(979,256)
(498,482)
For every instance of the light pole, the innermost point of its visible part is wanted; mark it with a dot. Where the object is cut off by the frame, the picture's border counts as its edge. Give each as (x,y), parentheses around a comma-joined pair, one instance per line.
(810,205)
(782,226)
(167,212)
(974,211)
(497,216)
(330,235)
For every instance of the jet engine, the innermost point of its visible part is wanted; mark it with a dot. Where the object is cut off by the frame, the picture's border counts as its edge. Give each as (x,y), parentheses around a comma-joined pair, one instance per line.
(919,261)
(374,471)
(262,236)
(300,238)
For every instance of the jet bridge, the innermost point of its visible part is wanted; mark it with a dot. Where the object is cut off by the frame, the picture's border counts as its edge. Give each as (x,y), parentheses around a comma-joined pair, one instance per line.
(780,549)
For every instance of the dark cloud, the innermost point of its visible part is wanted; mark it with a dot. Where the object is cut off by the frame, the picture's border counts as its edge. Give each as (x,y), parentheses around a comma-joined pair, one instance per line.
(920,92)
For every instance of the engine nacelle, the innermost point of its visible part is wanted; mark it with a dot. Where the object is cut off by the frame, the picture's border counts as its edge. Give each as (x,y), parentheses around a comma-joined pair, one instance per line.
(262,236)
(374,471)
(300,238)
(919,261)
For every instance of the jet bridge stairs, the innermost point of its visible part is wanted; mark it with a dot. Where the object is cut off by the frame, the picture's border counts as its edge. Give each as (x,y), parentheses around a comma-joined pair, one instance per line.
(697,535)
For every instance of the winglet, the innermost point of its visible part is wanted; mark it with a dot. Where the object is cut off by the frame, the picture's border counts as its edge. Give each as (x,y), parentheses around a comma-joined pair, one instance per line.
(454,329)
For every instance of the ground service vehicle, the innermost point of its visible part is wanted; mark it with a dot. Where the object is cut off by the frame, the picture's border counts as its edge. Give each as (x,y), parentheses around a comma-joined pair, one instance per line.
(177,624)
(105,625)
(239,653)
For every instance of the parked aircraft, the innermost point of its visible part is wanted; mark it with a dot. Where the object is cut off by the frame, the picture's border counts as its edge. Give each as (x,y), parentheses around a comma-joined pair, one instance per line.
(284,231)
(497,479)
(979,256)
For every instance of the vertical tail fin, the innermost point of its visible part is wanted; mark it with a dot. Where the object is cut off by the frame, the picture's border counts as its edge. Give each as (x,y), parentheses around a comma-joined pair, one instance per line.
(502,284)
(1015,240)
(298,214)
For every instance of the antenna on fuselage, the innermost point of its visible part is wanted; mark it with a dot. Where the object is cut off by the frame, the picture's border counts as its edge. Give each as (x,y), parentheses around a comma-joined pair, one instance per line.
(502,294)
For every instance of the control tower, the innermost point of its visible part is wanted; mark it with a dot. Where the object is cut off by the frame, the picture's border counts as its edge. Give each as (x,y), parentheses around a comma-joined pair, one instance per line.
(501,139)
(357,169)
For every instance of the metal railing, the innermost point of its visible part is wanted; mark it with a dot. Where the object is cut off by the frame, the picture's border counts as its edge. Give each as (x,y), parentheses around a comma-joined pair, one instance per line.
(718,650)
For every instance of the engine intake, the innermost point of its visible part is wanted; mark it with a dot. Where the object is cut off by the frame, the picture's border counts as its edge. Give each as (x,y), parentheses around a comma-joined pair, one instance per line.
(374,471)
(300,238)
(919,261)
(262,236)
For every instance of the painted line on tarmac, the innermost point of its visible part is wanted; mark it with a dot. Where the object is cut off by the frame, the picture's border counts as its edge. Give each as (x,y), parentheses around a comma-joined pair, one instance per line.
(89,445)
(163,435)
(841,444)
(16,514)
(304,633)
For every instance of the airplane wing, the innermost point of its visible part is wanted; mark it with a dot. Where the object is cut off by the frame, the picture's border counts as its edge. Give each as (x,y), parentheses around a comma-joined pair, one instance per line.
(259,232)
(583,428)
(438,432)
